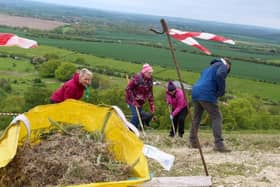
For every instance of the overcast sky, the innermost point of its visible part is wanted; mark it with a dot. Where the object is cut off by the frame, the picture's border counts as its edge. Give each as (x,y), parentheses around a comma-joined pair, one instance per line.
(248,12)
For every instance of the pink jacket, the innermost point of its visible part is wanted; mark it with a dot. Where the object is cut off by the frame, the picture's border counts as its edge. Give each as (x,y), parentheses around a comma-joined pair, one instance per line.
(177,101)
(72,89)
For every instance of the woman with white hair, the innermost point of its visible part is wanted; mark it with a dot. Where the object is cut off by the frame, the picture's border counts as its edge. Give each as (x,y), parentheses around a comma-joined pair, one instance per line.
(73,88)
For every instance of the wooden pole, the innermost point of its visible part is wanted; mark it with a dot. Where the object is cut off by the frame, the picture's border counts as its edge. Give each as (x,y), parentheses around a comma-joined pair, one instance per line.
(165,29)
(140,120)
(172,123)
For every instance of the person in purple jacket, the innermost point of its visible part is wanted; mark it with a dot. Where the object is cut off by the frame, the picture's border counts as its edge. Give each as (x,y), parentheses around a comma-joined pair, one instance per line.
(138,91)
(73,88)
(177,101)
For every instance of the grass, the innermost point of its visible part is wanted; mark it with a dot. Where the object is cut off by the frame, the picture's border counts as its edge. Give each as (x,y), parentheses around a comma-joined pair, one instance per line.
(254,160)
(24,70)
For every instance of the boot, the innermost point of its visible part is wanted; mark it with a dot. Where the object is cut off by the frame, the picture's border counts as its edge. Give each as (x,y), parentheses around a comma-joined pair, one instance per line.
(221,149)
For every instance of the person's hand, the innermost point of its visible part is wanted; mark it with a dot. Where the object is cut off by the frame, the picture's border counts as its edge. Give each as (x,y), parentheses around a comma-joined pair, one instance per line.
(154,118)
(171,117)
(135,104)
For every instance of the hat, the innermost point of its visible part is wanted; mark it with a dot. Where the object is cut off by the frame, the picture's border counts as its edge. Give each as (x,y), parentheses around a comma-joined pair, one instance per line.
(147,68)
(171,87)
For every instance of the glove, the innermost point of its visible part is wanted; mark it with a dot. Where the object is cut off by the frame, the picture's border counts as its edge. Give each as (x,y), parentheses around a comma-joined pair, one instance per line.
(135,104)
(171,117)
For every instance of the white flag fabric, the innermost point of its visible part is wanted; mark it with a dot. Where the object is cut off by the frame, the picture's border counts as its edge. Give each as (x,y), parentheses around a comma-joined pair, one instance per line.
(165,160)
(8,39)
(188,38)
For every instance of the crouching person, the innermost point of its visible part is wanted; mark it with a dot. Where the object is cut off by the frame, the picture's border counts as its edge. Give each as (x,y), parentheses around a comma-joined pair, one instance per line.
(138,91)
(73,88)
(179,109)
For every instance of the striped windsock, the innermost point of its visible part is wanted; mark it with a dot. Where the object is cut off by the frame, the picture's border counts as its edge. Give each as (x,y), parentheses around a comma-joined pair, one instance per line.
(8,39)
(187,38)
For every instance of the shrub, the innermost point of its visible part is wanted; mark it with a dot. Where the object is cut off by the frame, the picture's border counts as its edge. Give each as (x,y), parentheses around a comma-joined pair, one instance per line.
(48,69)
(5,85)
(65,71)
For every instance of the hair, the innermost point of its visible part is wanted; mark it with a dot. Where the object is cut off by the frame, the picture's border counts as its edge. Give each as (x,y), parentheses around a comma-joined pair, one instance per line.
(85,71)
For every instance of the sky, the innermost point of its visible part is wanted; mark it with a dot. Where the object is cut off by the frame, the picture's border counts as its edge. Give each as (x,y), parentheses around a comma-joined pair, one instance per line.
(247,12)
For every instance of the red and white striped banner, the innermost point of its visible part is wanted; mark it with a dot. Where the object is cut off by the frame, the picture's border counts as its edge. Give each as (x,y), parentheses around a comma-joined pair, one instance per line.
(187,38)
(8,39)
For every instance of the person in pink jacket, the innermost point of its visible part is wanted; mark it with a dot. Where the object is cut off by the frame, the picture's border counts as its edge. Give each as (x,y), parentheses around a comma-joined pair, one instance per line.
(73,88)
(176,100)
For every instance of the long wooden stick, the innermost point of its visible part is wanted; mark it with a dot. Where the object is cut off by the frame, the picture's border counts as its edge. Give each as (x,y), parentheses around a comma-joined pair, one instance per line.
(140,120)
(165,29)
(172,122)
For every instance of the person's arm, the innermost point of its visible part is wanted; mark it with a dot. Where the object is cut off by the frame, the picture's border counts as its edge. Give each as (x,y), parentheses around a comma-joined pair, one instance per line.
(69,93)
(221,75)
(181,102)
(168,98)
(151,100)
(130,98)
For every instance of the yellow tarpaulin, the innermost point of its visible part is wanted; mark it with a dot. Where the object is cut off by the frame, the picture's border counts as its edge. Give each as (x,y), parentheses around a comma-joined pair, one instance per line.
(126,146)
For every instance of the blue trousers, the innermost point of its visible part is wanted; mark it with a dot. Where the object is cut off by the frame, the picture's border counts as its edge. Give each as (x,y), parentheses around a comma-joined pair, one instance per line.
(134,119)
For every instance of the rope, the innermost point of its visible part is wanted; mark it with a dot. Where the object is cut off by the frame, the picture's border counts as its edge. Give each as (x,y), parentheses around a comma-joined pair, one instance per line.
(9,114)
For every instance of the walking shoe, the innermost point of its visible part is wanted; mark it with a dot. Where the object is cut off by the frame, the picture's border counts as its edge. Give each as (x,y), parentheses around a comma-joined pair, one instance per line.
(221,149)
(171,135)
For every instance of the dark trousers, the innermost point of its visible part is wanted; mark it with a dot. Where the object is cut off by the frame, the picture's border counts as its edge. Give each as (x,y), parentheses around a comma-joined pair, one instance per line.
(179,122)
(216,118)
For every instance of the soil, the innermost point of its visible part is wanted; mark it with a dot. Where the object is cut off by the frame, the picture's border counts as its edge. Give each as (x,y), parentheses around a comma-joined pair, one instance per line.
(61,159)
(28,22)
(253,162)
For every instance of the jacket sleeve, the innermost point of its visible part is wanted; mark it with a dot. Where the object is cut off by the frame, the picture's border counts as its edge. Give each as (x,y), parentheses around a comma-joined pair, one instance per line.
(69,93)
(181,102)
(221,75)
(168,99)
(129,91)
(151,100)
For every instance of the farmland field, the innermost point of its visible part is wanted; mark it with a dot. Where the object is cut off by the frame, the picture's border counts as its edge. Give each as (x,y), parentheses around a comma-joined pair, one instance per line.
(27,22)
(235,85)
(162,57)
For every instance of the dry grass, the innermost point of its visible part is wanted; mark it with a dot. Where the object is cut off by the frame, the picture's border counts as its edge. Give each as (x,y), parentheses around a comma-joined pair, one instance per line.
(254,160)
(61,159)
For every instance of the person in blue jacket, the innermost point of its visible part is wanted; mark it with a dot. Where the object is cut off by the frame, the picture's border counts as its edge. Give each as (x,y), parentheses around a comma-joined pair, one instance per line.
(205,93)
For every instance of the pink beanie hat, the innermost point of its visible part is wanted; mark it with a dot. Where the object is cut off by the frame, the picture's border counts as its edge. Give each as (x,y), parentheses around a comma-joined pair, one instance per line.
(147,68)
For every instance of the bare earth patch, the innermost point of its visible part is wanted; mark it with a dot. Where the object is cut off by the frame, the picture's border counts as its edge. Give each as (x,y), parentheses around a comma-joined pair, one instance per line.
(33,23)
(254,160)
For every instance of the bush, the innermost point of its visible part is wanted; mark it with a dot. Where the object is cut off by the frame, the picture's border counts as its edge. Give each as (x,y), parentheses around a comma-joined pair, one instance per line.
(48,68)
(13,103)
(65,71)
(5,85)
(36,96)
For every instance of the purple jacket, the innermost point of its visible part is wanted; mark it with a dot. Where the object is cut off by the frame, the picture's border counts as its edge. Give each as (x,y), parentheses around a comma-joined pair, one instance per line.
(177,101)
(72,89)
(140,89)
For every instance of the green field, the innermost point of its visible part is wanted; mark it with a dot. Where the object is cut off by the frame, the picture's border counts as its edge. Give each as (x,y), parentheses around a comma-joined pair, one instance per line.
(162,57)
(235,85)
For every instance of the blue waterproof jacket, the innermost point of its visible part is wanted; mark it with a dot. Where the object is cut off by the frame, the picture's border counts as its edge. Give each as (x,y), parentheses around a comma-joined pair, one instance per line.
(211,83)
